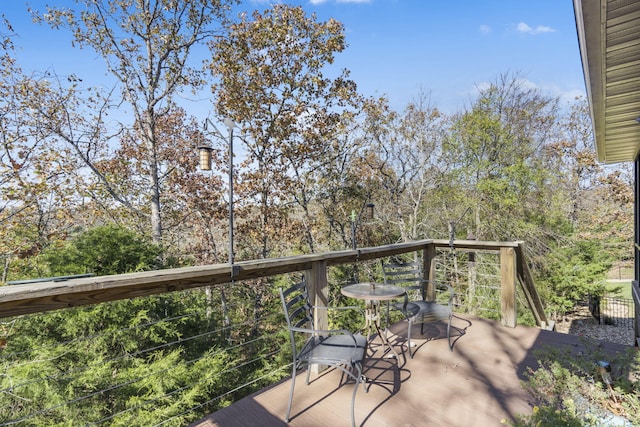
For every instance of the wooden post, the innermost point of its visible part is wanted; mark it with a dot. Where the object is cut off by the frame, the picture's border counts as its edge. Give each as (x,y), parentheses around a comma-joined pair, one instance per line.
(473,272)
(318,288)
(429,270)
(530,292)
(508,286)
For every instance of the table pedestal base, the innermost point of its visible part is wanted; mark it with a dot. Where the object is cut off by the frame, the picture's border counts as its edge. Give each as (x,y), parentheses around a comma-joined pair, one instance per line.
(372,323)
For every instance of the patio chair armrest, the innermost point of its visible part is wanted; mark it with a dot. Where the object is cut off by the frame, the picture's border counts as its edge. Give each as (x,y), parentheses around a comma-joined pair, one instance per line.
(346,307)
(405,303)
(443,285)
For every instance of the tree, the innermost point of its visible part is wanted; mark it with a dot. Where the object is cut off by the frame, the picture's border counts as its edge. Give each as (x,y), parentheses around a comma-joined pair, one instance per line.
(345,183)
(146,46)
(405,157)
(193,201)
(499,164)
(34,175)
(598,202)
(108,361)
(271,83)
(599,198)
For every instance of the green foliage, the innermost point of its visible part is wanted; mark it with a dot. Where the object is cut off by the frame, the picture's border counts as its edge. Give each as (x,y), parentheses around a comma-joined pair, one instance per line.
(103,250)
(132,360)
(126,357)
(572,272)
(569,391)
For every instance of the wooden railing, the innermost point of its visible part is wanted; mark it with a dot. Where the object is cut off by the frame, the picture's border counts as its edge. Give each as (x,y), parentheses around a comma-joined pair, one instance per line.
(513,269)
(242,350)
(41,297)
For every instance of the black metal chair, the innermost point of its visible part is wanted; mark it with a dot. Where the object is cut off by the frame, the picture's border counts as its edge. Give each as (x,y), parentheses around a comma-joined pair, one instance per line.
(337,348)
(418,305)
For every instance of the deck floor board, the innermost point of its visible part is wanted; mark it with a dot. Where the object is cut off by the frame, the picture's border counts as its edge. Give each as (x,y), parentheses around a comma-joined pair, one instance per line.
(477,384)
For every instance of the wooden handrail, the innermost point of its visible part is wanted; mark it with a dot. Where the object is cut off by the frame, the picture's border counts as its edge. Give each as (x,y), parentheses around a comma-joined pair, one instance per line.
(478,245)
(46,296)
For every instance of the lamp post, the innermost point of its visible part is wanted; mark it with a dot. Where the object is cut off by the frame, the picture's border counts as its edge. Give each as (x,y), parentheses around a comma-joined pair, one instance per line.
(230,125)
(355,220)
(205,164)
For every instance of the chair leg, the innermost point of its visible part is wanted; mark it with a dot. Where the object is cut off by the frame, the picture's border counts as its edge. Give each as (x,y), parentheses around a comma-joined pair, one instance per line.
(293,384)
(353,395)
(409,339)
(449,333)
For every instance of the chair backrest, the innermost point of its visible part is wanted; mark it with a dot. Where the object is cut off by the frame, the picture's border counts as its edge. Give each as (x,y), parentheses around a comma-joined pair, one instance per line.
(405,274)
(296,306)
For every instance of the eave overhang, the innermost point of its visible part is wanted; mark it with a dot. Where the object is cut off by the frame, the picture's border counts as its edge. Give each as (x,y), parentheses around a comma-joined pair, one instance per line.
(609,39)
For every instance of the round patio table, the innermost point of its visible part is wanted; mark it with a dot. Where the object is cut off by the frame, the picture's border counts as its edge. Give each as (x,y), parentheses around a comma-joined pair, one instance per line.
(373,293)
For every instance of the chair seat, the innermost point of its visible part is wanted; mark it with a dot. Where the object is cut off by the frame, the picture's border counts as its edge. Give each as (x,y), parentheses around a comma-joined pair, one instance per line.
(334,348)
(425,311)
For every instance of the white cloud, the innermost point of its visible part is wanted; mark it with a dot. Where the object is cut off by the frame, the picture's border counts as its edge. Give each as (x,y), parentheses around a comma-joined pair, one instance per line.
(485,29)
(522,27)
(480,87)
(566,96)
(317,1)
(526,84)
(569,97)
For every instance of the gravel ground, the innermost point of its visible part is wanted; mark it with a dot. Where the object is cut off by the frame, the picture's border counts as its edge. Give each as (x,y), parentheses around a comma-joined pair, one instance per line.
(581,323)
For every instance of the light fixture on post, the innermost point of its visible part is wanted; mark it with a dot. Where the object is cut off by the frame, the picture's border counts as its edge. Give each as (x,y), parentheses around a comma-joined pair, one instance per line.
(370,207)
(205,164)
(205,157)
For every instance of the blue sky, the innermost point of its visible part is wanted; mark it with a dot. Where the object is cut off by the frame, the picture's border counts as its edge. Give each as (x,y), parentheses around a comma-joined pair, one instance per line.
(396,47)
(448,48)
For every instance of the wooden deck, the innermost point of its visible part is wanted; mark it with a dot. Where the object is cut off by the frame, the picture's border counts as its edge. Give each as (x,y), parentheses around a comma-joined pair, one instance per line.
(478,384)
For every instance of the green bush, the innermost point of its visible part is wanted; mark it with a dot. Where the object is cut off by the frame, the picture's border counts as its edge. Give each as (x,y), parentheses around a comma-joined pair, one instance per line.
(104,250)
(570,273)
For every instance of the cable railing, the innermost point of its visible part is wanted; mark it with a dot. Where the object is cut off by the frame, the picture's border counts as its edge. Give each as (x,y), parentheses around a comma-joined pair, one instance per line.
(117,382)
(174,358)
(475,275)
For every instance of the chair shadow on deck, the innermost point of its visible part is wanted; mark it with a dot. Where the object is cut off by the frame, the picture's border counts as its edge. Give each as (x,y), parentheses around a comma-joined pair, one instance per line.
(385,375)
(384,379)
(429,332)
